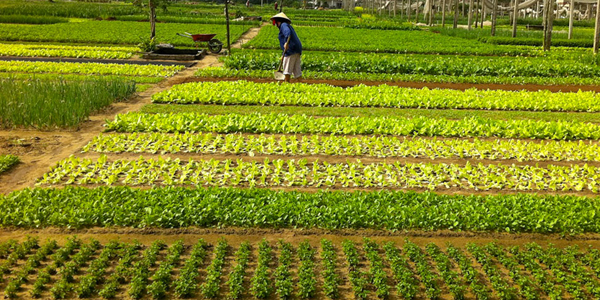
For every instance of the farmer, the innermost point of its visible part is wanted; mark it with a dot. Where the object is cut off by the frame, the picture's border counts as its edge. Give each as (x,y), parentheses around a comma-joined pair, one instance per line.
(275,5)
(292,50)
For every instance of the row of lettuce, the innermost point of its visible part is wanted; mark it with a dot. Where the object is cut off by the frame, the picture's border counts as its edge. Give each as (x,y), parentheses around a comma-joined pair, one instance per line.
(174,207)
(308,173)
(556,68)
(269,94)
(399,126)
(349,146)
(161,270)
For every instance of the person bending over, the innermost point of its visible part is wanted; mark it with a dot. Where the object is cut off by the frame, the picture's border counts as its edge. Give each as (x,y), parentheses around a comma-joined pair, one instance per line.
(290,44)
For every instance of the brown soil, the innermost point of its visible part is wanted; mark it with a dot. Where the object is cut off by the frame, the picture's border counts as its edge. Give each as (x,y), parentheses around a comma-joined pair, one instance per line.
(431,85)
(236,236)
(46,148)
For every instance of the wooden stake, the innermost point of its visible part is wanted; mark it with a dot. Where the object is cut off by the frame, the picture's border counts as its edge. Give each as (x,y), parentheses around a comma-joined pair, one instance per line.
(430,13)
(417,13)
(547,21)
(482,12)
(227,22)
(571,9)
(597,29)
(408,11)
(476,13)
(515,16)
(470,19)
(443,13)
(455,25)
(494,15)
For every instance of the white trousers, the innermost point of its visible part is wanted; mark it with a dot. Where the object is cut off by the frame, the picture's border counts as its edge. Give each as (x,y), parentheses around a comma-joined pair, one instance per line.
(291,65)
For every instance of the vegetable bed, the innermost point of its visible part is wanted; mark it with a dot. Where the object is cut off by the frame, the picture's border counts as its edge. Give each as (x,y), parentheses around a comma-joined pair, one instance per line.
(116,269)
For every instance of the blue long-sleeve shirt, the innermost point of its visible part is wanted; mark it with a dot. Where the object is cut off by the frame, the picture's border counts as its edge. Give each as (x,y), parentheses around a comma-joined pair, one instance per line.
(285,30)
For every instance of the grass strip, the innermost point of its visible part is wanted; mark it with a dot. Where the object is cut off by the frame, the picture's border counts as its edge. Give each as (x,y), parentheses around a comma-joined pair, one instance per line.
(50,104)
(417,126)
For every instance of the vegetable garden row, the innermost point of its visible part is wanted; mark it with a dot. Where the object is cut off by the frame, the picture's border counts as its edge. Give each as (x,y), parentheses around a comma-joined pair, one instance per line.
(556,68)
(175,207)
(250,93)
(98,52)
(368,146)
(89,68)
(281,270)
(417,126)
(105,32)
(303,173)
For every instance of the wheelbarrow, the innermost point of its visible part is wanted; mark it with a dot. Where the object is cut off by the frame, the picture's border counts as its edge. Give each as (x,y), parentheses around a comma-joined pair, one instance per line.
(214,45)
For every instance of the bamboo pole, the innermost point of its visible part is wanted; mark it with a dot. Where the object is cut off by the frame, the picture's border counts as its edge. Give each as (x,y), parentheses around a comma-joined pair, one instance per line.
(401,10)
(597,29)
(455,24)
(571,9)
(227,22)
(470,19)
(443,13)
(408,11)
(547,21)
(476,13)
(494,15)
(417,13)
(482,12)
(430,13)
(515,15)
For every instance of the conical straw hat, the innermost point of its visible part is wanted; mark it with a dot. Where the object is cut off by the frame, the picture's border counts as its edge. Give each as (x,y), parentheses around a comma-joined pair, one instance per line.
(281,16)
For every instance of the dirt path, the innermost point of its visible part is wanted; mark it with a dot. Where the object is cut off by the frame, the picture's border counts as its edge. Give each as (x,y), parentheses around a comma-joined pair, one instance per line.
(246,37)
(39,150)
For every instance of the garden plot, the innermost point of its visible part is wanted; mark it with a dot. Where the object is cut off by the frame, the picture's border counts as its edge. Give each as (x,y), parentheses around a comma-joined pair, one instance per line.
(362,269)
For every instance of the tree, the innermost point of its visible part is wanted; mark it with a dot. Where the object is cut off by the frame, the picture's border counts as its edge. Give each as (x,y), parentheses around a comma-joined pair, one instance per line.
(152,5)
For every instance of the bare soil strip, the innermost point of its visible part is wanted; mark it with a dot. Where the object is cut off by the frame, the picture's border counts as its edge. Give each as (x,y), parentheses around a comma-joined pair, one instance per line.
(236,236)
